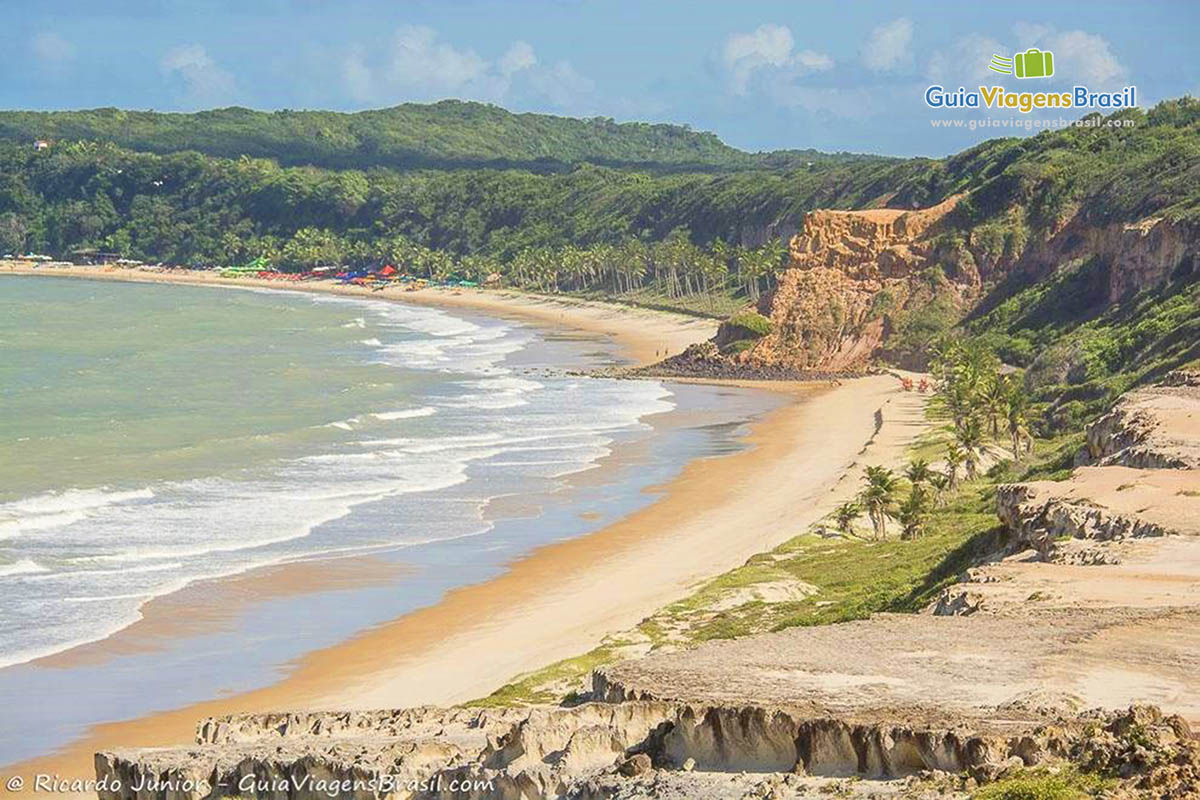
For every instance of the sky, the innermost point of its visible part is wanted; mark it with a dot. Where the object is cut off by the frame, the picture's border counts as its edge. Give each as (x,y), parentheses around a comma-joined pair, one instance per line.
(762,75)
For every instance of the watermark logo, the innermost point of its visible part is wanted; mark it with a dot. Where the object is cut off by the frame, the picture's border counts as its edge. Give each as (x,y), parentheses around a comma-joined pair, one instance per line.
(1033,63)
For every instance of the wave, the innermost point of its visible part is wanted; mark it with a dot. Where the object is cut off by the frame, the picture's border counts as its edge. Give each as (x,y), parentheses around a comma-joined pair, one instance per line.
(407,413)
(58,509)
(26,566)
(88,558)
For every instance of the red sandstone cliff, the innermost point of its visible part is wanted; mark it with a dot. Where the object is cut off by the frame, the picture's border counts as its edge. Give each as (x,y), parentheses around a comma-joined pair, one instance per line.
(826,311)
(852,273)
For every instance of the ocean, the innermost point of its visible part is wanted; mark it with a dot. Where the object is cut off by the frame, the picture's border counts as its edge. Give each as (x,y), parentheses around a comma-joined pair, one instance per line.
(156,437)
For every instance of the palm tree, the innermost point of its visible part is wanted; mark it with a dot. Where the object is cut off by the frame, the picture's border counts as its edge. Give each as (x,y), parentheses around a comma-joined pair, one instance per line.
(914,512)
(969,440)
(877,497)
(918,471)
(1018,430)
(845,515)
(954,459)
(940,483)
(994,398)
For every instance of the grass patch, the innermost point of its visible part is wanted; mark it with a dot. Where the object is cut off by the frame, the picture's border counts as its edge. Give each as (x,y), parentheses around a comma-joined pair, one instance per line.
(539,687)
(1068,784)
(853,577)
(751,323)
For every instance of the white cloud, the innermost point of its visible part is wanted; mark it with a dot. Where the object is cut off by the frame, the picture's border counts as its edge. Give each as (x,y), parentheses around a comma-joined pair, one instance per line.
(966,60)
(357,76)
(562,86)
(518,57)
(419,59)
(887,48)
(1079,57)
(768,46)
(1084,57)
(1029,31)
(420,65)
(846,103)
(52,50)
(810,59)
(205,80)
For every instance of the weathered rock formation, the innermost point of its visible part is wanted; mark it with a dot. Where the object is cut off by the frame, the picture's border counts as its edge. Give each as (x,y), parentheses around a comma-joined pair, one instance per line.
(615,750)
(825,311)
(1138,255)
(853,276)
(1038,515)
(1153,428)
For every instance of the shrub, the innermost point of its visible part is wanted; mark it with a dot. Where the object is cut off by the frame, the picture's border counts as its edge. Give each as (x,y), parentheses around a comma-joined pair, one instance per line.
(752,323)
(1038,785)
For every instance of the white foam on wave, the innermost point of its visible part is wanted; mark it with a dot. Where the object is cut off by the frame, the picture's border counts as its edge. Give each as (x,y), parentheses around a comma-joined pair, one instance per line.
(59,509)
(25,566)
(406,413)
(113,550)
(495,393)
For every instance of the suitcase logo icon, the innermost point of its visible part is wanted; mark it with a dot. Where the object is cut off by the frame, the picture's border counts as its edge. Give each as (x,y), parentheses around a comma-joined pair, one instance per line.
(1033,63)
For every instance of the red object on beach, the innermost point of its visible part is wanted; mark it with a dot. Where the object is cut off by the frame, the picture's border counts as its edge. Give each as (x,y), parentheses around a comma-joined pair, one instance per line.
(388,271)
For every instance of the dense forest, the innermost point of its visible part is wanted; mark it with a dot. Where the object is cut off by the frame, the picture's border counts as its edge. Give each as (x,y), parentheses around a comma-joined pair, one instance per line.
(450,134)
(589,226)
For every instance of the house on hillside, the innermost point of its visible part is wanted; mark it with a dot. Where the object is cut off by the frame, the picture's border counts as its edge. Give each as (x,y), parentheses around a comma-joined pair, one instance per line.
(41,144)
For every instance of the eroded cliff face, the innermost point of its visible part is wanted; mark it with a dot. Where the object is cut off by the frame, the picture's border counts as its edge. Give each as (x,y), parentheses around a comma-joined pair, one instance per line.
(1138,255)
(827,311)
(622,749)
(851,274)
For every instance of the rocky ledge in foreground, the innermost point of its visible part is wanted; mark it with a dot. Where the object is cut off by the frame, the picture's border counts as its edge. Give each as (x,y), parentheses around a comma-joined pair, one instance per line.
(632,749)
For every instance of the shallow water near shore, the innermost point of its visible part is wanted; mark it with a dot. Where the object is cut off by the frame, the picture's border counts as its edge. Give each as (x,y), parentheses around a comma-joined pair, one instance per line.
(351,460)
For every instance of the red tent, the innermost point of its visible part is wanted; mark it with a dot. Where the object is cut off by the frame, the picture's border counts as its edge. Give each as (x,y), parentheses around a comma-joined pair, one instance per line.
(388,271)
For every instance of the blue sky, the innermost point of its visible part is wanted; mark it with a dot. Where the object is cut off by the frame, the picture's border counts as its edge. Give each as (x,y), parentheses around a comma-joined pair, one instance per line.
(762,75)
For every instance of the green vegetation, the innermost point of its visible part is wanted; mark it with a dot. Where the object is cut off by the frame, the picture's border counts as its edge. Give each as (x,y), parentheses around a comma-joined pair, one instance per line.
(652,213)
(749,325)
(655,215)
(1081,353)
(948,522)
(446,135)
(1042,784)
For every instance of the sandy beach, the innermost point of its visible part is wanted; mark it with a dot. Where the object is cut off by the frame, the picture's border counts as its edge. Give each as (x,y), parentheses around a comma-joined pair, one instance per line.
(643,335)
(561,600)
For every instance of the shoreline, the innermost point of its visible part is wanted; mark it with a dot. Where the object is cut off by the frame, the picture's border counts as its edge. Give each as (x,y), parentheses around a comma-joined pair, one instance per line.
(643,335)
(562,598)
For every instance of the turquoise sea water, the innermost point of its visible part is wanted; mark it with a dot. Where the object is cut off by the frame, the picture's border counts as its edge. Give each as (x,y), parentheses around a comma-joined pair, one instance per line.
(153,437)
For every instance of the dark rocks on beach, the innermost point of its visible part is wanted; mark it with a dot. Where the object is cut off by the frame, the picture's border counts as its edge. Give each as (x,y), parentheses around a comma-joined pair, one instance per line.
(704,360)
